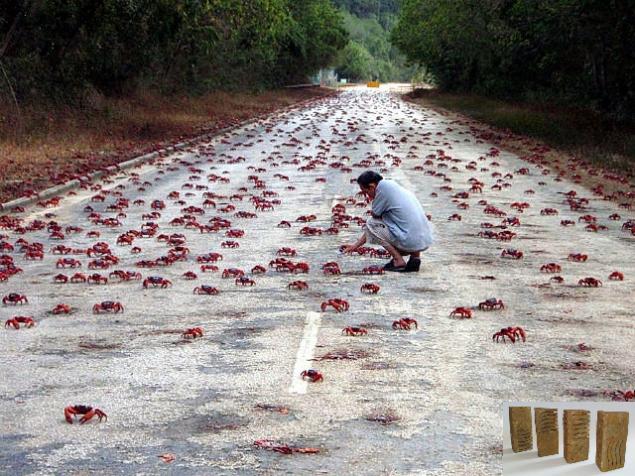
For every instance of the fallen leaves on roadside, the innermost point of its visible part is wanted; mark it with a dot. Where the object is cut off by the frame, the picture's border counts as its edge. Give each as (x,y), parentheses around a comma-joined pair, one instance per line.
(282,448)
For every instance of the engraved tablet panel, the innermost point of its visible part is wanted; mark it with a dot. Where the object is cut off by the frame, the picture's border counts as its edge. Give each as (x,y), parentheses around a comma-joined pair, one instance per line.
(547,431)
(520,428)
(611,435)
(576,435)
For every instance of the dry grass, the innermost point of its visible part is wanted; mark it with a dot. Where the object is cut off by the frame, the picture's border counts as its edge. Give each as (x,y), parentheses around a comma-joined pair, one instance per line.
(581,133)
(50,145)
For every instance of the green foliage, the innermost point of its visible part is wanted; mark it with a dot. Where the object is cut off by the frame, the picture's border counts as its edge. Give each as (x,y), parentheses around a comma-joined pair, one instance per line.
(356,62)
(379,59)
(316,36)
(576,51)
(368,8)
(63,47)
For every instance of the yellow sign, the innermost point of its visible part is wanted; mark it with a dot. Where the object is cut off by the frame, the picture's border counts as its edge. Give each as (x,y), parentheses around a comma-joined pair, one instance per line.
(372,84)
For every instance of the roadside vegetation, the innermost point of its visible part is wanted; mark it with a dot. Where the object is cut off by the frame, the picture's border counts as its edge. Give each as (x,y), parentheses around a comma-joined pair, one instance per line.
(580,133)
(63,49)
(85,84)
(560,52)
(369,53)
(61,142)
(560,71)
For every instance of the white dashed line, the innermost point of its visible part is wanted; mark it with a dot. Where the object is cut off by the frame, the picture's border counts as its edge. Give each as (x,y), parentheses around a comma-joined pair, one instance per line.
(305,352)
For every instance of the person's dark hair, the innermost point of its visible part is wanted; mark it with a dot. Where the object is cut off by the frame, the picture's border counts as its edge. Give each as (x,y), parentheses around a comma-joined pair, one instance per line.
(368,177)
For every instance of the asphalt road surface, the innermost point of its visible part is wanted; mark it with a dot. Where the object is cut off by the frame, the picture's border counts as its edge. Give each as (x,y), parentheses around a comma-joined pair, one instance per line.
(425,401)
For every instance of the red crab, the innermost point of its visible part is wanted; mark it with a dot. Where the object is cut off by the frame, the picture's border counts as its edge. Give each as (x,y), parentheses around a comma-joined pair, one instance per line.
(211,268)
(126,275)
(300,268)
(210,258)
(286,252)
(339,305)
(626,396)
(590,282)
(108,306)
(284,224)
(234,233)
(206,289)
(298,285)
(550,268)
(229,244)
(312,375)
(17,320)
(157,205)
(61,309)
(97,279)
(232,273)
(310,231)
(512,333)
(156,281)
(491,304)
(78,278)
(67,263)
(86,411)
(373,270)
(370,288)
(557,279)
(405,324)
(60,278)
(577,257)
(511,253)
(14,298)
(354,331)
(548,211)
(258,269)
(190,275)
(616,276)
(462,312)
(331,268)
(193,333)
(244,281)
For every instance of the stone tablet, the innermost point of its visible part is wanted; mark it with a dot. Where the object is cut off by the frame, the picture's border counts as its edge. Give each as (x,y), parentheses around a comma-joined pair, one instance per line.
(611,434)
(547,431)
(576,435)
(520,429)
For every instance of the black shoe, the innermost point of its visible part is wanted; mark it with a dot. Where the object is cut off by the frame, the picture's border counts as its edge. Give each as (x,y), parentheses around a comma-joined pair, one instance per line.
(413,265)
(389,266)
(397,269)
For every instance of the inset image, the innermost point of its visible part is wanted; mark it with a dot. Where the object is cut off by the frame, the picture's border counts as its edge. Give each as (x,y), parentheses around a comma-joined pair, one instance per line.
(568,438)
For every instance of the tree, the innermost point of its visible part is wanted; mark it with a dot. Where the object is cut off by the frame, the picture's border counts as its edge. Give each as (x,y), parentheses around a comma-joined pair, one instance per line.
(574,51)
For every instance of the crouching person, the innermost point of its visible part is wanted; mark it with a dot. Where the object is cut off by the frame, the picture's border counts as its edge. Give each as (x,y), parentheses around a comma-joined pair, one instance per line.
(398,223)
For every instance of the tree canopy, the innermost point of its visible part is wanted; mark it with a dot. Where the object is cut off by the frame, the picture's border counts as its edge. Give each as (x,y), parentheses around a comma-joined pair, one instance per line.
(60,47)
(576,51)
(369,54)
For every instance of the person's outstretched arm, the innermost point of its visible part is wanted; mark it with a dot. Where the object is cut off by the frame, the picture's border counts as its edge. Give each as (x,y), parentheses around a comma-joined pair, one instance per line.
(354,246)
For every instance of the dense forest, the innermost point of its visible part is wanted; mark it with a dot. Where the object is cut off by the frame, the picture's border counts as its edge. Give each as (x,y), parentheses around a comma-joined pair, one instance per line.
(577,52)
(63,48)
(369,54)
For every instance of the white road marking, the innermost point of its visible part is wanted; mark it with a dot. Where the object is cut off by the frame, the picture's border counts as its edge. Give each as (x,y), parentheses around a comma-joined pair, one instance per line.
(305,352)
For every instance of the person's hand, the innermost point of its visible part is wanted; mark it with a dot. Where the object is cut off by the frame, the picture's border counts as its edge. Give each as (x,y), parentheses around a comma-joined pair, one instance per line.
(347,249)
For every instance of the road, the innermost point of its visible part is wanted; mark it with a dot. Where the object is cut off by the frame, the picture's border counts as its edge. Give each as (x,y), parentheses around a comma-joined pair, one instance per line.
(426,401)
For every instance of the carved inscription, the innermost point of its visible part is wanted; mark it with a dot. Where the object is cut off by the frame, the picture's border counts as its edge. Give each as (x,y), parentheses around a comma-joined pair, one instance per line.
(520,428)
(576,435)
